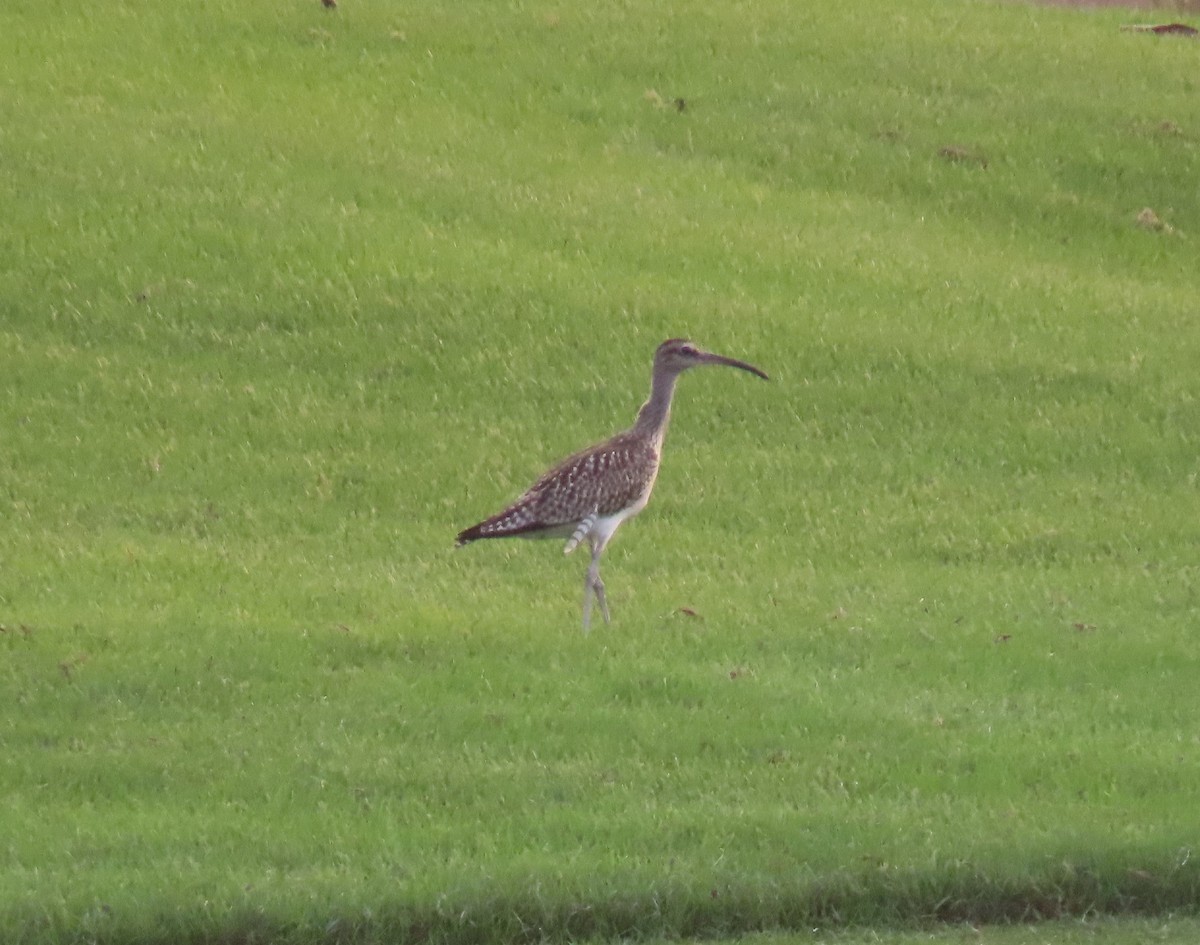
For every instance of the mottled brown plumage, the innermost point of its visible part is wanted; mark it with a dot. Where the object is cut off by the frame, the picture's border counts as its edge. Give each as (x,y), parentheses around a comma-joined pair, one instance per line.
(589,494)
(604,479)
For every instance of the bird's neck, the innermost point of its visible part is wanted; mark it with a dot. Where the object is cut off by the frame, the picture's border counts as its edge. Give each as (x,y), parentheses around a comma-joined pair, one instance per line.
(652,419)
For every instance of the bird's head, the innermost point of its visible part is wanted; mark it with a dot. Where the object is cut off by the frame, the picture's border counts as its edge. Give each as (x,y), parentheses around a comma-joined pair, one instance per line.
(676,355)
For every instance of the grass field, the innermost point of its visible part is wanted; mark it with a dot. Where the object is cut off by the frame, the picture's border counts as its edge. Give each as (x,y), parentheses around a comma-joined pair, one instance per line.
(904,643)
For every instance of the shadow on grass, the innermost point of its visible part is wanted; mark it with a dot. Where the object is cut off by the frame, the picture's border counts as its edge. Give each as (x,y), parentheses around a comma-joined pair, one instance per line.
(884,899)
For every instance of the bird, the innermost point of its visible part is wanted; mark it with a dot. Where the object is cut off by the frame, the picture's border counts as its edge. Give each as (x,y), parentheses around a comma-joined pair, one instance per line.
(589,494)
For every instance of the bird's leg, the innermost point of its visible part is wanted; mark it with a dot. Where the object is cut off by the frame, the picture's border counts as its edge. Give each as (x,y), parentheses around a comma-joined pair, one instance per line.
(593,585)
(598,587)
(587,601)
(581,532)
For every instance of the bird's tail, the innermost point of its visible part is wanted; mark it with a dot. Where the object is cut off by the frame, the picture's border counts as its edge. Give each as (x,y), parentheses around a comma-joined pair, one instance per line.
(517,519)
(468,535)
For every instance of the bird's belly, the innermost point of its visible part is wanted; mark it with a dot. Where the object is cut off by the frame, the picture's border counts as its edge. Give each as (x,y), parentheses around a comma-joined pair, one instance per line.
(607,524)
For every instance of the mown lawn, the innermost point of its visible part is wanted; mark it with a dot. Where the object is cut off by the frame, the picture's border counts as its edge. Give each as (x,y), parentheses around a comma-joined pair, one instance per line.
(905,639)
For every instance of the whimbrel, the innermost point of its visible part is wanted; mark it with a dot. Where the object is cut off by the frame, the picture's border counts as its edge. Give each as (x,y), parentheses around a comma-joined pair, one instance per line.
(588,495)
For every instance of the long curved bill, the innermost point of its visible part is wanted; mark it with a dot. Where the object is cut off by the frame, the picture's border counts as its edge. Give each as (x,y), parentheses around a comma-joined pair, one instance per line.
(708,358)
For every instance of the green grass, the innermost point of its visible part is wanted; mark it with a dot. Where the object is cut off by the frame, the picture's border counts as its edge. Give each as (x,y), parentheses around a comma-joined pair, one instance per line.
(1074,932)
(290,297)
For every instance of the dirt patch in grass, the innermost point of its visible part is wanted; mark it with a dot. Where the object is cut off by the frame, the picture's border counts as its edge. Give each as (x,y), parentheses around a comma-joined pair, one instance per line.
(1175,6)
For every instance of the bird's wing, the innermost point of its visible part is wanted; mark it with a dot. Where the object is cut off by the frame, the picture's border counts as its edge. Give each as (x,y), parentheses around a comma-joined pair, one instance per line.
(600,480)
(604,479)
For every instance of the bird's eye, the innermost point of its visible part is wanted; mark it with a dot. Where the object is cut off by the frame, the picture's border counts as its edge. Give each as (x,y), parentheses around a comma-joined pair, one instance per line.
(687,349)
